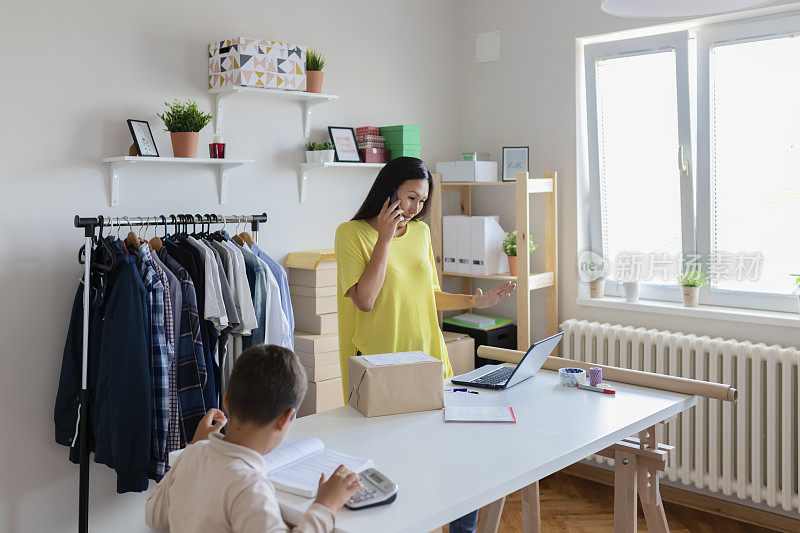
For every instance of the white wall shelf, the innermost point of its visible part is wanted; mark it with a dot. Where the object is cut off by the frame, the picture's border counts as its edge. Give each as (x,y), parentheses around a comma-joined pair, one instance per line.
(305,168)
(309,101)
(223,166)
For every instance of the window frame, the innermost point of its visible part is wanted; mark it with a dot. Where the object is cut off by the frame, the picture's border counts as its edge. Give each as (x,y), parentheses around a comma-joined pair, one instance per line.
(678,42)
(707,39)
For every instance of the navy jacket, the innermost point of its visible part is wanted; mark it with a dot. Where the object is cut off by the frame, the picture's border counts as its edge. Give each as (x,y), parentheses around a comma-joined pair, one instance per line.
(120,404)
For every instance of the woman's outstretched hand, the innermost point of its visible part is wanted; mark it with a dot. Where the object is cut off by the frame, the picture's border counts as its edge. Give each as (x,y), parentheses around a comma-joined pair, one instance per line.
(388,219)
(494,296)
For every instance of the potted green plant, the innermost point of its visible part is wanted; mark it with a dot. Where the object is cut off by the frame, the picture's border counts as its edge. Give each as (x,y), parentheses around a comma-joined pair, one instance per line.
(690,281)
(183,121)
(315,62)
(320,152)
(510,249)
(596,272)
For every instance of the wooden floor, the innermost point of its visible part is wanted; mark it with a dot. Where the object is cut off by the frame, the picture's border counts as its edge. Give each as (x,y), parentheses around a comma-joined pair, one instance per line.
(574,505)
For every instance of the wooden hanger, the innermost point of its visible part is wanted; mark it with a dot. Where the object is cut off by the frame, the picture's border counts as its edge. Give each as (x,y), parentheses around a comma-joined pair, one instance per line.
(155,242)
(132,240)
(246,237)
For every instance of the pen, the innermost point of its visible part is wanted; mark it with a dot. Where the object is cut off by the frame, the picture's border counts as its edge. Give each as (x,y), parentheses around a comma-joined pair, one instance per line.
(461,390)
(596,389)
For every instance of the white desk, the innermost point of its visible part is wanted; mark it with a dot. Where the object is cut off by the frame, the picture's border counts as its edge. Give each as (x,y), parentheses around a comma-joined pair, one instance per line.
(447,470)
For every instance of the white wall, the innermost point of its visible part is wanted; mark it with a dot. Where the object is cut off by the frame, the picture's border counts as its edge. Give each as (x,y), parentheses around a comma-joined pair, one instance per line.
(528,98)
(72,72)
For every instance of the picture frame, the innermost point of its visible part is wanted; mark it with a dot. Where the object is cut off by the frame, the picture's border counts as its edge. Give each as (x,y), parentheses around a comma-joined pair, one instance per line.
(143,138)
(515,159)
(344,143)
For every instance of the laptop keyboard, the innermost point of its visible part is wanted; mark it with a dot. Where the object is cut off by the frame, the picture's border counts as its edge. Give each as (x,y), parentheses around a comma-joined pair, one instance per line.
(495,376)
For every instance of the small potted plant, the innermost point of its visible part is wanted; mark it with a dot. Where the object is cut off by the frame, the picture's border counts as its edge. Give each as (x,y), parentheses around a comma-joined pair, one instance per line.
(183,121)
(315,62)
(510,249)
(690,282)
(797,289)
(596,272)
(320,152)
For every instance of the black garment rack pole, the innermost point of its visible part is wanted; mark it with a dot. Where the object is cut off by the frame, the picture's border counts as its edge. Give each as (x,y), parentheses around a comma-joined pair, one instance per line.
(89,225)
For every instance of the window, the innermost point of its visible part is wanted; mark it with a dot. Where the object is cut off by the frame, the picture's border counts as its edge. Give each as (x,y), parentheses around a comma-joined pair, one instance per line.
(739,220)
(641,122)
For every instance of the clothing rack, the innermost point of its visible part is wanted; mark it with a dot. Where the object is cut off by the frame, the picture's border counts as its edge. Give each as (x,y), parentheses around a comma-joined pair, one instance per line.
(89,225)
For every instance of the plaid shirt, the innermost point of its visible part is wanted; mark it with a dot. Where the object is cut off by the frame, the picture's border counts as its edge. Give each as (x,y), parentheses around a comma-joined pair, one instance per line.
(173,427)
(159,365)
(191,369)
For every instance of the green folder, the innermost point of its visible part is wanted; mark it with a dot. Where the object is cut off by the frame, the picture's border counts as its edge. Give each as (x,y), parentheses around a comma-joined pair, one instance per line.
(498,323)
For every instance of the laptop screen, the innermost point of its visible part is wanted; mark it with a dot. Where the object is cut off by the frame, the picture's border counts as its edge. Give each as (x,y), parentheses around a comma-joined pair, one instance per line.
(535,357)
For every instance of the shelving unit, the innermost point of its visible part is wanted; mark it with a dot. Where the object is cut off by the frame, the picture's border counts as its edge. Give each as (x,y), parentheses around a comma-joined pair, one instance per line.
(223,167)
(525,280)
(305,168)
(308,100)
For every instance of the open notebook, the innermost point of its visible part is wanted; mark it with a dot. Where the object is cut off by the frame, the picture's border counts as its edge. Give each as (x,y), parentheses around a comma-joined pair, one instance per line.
(295,467)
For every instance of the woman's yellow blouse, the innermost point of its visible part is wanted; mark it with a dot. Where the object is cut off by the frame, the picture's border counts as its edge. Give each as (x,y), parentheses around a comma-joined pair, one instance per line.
(404,315)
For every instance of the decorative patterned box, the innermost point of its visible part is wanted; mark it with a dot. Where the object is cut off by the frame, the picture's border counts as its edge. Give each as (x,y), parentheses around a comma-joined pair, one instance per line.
(371,144)
(374,155)
(256,63)
(363,131)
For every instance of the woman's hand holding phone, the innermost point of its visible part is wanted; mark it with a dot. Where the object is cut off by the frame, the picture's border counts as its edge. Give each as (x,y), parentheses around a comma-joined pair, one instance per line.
(388,219)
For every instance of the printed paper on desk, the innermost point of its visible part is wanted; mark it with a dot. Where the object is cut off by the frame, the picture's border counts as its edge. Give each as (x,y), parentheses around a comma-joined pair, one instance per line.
(399,358)
(479,414)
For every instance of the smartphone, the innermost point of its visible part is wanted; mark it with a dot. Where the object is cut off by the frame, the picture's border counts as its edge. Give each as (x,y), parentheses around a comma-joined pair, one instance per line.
(393,199)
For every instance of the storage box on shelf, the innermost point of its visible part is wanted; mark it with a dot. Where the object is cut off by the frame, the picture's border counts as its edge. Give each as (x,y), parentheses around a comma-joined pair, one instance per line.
(312,278)
(256,63)
(502,334)
(476,171)
(402,141)
(375,155)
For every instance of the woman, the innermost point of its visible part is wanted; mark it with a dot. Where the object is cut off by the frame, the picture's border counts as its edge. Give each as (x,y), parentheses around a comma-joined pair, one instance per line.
(388,292)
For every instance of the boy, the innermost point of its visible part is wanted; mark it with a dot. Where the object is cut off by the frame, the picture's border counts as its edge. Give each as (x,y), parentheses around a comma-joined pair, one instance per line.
(219,483)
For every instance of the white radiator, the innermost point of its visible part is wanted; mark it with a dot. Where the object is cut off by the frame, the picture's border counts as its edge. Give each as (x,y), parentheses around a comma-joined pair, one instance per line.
(750,448)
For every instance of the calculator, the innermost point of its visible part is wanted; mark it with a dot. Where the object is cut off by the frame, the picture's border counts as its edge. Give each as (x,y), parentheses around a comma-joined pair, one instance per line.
(378,490)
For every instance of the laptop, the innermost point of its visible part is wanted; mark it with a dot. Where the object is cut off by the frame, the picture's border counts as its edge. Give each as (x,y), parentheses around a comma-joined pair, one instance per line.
(503,377)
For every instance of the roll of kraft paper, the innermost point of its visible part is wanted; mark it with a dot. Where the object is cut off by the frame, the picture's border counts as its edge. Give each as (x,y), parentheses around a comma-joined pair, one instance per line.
(570,377)
(595,376)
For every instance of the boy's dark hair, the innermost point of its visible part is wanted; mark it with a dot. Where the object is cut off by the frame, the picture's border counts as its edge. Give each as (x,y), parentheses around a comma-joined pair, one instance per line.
(266,380)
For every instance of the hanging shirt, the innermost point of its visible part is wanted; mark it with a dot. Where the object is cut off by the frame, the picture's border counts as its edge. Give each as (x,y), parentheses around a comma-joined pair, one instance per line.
(278,330)
(257,281)
(191,375)
(159,364)
(283,284)
(214,305)
(243,297)
(404,316)
(173,426)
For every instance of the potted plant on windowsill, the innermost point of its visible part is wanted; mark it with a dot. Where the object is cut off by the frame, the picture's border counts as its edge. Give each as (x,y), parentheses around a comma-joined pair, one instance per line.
(510,249)
(690,282)
(183,121)
(315,62)
(320,152)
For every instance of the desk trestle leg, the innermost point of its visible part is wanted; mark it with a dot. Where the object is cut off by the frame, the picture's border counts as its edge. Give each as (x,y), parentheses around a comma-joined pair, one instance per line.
(490,516)
(637,462)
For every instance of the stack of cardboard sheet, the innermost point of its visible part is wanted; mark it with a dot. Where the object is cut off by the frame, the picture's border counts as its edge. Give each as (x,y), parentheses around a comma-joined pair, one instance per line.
(312,285)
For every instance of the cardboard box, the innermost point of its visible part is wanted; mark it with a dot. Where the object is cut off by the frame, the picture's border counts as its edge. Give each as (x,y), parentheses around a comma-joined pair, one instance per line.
(398,135)
(312,278)
(256,63)
(477,171)
(316,360)
(311,305)
(461,351)
(322,396)
(323,373)
(316,344)
(317,324)
(393,389)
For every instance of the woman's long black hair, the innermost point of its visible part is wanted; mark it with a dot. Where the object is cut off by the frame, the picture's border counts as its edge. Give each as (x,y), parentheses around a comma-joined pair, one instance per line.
(389,179)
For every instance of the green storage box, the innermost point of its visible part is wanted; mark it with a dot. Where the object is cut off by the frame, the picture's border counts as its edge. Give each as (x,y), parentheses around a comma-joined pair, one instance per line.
(405,151)
(401,135)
